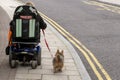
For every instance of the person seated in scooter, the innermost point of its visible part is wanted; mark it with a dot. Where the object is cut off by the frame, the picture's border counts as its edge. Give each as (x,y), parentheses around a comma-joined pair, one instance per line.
(42,24)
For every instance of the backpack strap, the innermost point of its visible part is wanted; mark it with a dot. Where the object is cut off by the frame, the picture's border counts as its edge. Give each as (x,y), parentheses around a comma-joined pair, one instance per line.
(19,9)
(32,9)
(31,27)
(18,27)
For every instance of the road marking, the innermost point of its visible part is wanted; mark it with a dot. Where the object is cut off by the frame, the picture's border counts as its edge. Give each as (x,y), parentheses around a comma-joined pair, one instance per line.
(100,9)
(81,47)
(107,7)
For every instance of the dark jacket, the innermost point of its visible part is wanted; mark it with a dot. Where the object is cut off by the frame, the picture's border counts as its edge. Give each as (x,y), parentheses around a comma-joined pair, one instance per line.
(42,23)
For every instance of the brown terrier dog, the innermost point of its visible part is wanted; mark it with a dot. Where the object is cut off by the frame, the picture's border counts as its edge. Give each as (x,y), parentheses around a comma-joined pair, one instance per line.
(58,61)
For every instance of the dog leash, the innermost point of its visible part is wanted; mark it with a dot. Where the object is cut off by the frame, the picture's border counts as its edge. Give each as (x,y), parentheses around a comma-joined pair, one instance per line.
(47,43)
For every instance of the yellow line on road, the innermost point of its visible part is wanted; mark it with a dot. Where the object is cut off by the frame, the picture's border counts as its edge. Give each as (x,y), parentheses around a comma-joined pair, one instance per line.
(85,51)
(58,27)
(107,7)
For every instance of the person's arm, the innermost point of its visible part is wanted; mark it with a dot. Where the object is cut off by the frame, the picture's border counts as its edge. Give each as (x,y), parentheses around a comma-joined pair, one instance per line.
(9,36)
(10,32)
(42,23)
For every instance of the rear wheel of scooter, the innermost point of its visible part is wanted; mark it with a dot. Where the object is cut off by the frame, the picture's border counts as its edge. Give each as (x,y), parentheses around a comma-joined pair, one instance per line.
(34,64)
(12,62)
(39,58)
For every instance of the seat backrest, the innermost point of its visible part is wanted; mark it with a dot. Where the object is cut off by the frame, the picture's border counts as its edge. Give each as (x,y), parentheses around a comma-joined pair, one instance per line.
(26,25)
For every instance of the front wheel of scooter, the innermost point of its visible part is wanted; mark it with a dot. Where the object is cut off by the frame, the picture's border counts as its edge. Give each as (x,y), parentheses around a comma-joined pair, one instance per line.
(12,62)
(39,58)
(34,64)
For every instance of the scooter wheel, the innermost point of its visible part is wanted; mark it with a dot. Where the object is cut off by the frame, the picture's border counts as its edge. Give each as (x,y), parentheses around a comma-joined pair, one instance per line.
(34,64)
(12,62)
(39,58)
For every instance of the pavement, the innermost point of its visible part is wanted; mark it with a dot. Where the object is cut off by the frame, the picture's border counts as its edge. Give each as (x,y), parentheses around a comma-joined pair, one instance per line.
(73,67)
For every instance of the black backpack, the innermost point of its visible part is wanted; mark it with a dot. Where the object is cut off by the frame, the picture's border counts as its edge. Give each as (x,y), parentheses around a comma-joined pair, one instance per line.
(25,25)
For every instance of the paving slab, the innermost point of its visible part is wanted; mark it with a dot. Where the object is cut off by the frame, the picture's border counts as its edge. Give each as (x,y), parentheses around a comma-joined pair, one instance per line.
(71,70)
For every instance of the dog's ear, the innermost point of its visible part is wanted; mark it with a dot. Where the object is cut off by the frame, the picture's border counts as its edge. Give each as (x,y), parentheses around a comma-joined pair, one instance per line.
(62,51)
(57,50)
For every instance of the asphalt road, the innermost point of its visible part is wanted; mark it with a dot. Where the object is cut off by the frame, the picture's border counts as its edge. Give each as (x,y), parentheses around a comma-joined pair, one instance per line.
(97,28)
